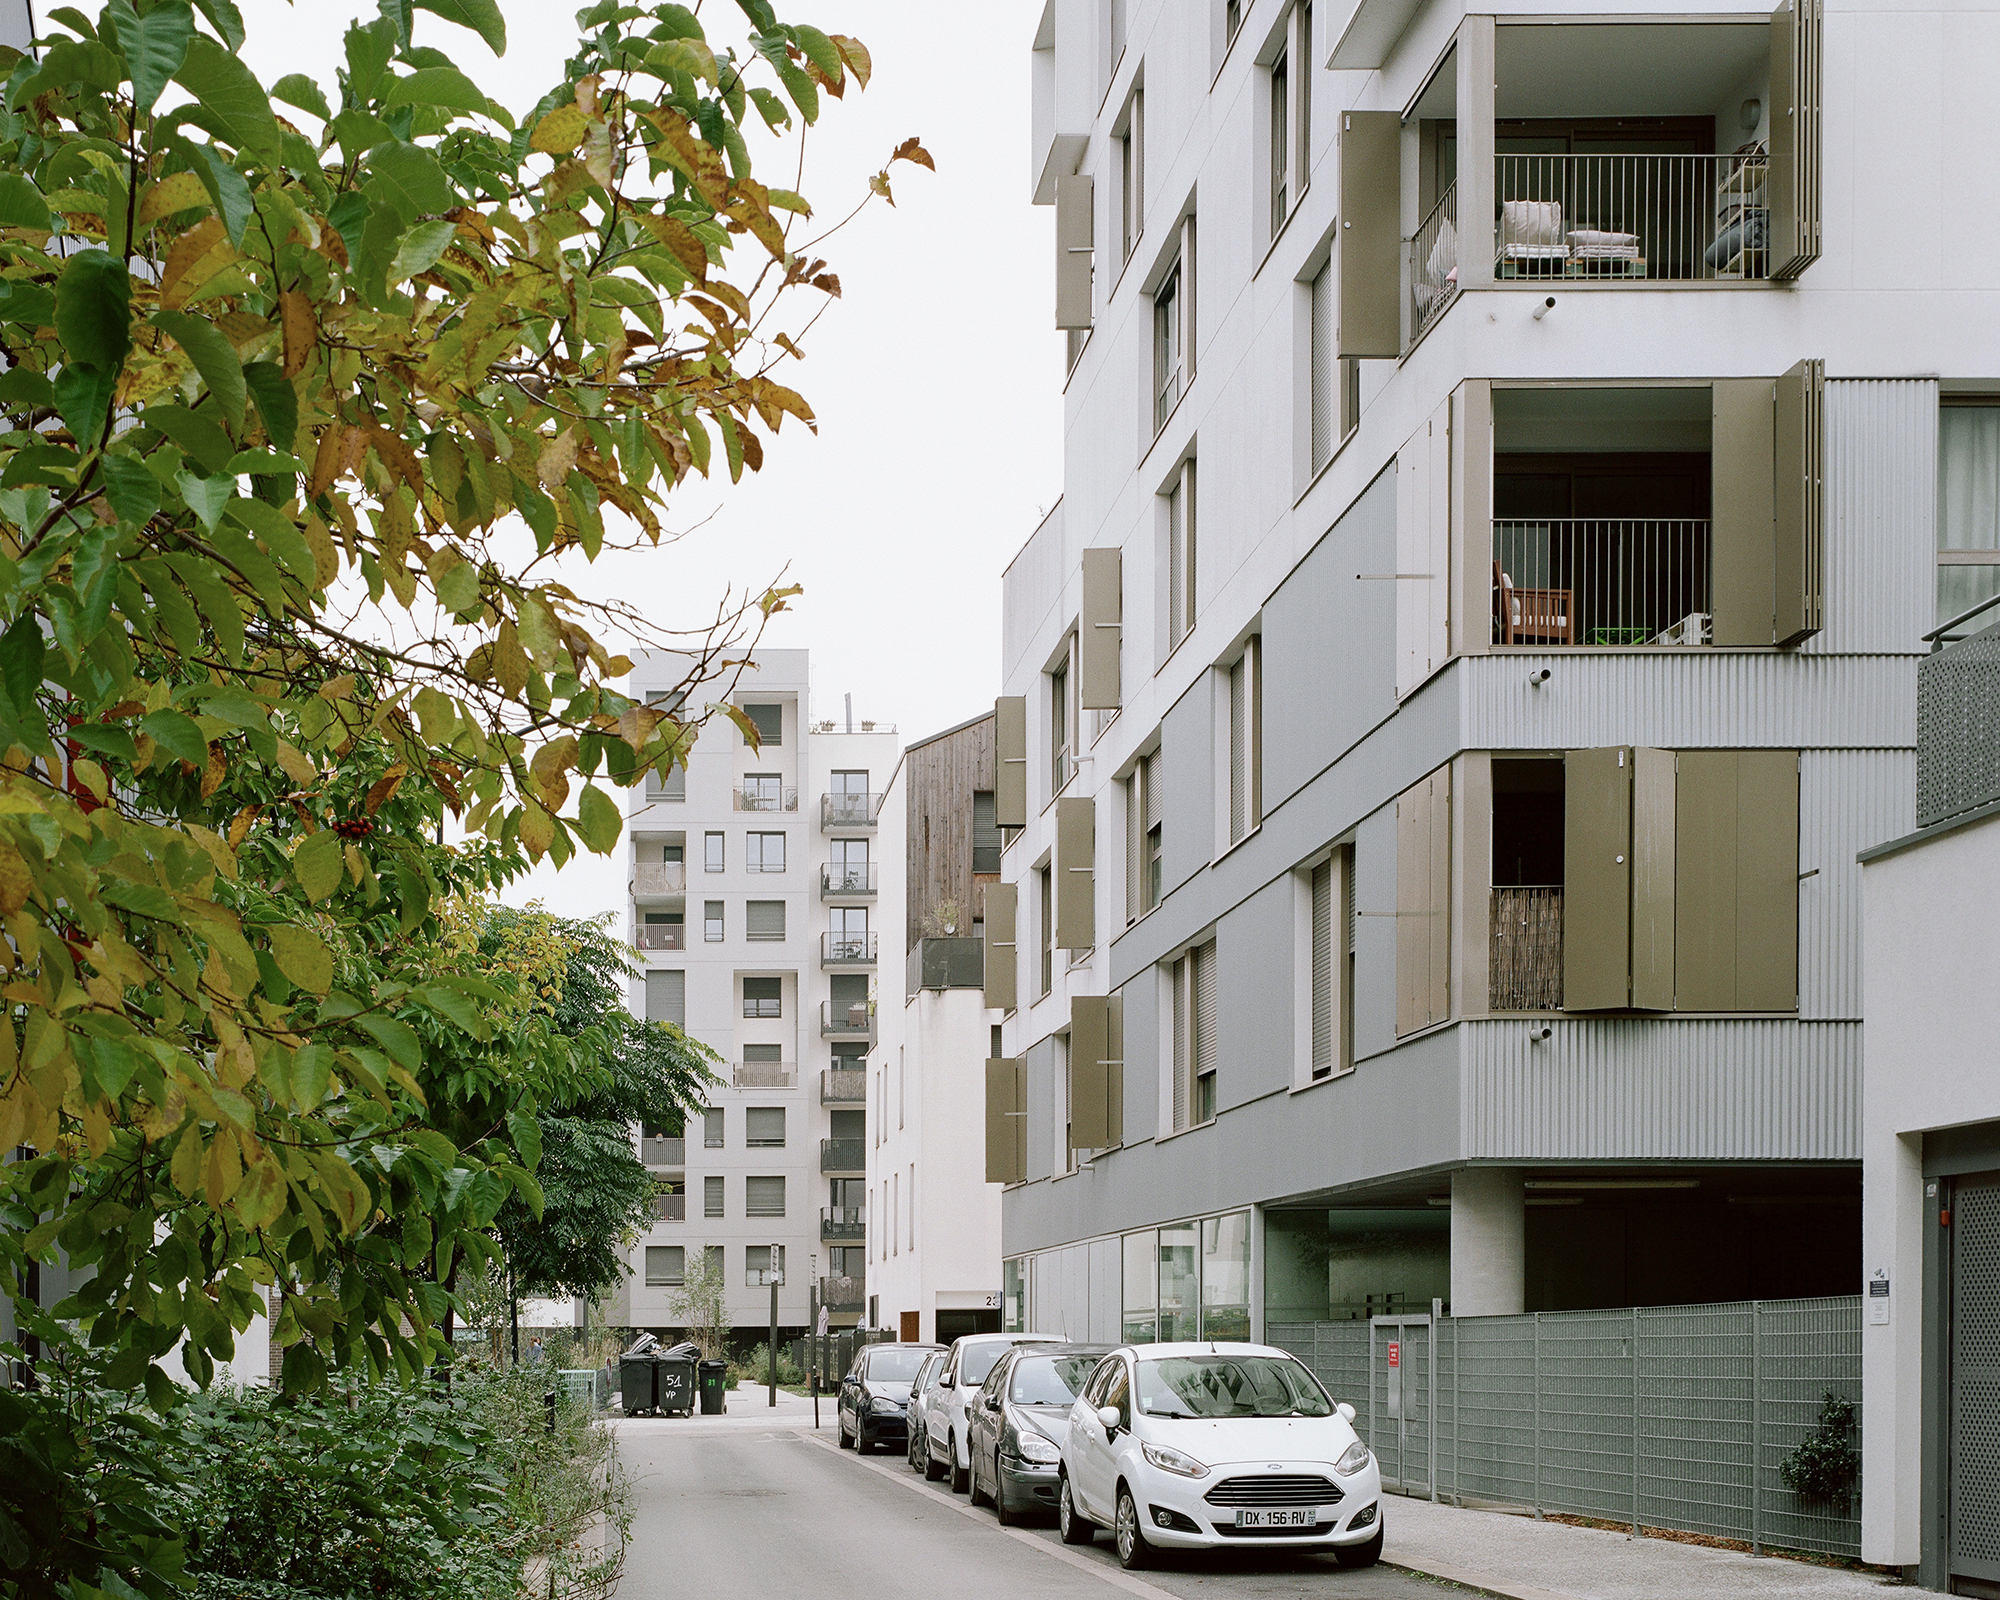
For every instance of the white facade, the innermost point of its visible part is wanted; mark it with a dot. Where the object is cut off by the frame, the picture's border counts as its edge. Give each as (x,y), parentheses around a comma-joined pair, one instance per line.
(746,938)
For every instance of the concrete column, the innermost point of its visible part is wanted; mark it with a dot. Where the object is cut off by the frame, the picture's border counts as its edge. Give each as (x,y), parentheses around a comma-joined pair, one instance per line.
(1488,1242)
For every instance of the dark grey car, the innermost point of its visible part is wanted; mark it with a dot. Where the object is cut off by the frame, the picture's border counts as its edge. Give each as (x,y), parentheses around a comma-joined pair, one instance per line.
(1015,1425)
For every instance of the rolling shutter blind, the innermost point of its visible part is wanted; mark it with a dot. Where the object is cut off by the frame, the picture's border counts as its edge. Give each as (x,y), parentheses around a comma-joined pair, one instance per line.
(1369,242)
(1100,630)
(1239,778)
(1798,533)
(1423,903)
(1793,182)
(763,919)
(1322,967)
(1010,779)
(711,1197)
(1203,983)
(666,998)
(769,721)
(1325,376)
(1183,1046)
(1089,1072)
(764,1125)
(1075,889)
(1076,231)
(1002,905)
(764,1197)
(1006,1123)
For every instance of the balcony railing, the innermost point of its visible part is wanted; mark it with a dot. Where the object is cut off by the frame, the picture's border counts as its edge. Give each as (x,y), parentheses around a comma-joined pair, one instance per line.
(843,1086)
(843,1225)
(764,1075)
(659,877)
(847,883)
(843,1156)
(663,1152)
(848,810)
(847,950)
(660,936)
(1631,218)
(1566,581)
(670,1207)
(1524,969)
(1434,262)
(843,1294)
(853,1020)
(766,797)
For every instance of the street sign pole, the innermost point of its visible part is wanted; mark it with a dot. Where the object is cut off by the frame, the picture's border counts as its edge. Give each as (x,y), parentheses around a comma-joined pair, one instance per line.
(772,1347)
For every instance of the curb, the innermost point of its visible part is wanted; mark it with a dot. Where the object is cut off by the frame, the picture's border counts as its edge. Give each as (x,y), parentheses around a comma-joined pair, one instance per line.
(1475,1582)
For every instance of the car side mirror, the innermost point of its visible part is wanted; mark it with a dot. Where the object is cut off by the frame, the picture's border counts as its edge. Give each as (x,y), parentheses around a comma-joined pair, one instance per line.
(1110,1416)
(946,1382)
(1346,1411)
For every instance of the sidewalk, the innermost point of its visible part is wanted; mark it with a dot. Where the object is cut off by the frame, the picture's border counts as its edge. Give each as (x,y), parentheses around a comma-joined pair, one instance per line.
(1528,1560)
(748,1408)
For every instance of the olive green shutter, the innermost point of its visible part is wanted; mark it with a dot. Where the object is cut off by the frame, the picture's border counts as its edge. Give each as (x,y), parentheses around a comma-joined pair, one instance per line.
(1597,880)
(1743,532)
(1736,863)
(1002,907)
(1076,229)
(1010,779)
(1793,181)
(1423,903)
(1653,798)
(1369,263)
(1076,873)
(1006,1122)
(1114,1069)
(1089,1072)
(1100,629)
(1799,531)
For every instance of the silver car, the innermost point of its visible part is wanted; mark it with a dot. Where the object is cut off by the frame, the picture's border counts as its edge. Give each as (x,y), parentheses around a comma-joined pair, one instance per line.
(965,1369)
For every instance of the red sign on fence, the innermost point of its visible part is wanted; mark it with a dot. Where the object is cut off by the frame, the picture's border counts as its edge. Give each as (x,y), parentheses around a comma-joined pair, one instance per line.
(1395,1354)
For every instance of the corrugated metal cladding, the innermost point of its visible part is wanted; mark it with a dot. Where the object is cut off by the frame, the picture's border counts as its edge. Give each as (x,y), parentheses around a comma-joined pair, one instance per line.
(1639,1090)
(1702,699)
(1881,515)
(1848,800)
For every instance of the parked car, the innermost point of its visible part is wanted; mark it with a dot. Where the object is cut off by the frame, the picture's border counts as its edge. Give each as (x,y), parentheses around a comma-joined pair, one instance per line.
(874,1397)
(920,1388)
(972,1357)
(1201,1446)
(1016,1423)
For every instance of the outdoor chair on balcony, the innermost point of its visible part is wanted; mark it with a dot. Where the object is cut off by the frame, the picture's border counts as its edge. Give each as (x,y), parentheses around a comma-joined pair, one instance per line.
(1532,616)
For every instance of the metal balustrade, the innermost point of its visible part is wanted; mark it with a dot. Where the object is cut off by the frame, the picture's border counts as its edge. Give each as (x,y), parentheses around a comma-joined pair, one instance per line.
(843,1225)
(766,797)
(764,1075)
(847,949)
(837,882)
(660,936)
(843,1155)
(848,810)
(1566,581)
(1631,218)
(1434,262)
(663,1152)
(843,1086)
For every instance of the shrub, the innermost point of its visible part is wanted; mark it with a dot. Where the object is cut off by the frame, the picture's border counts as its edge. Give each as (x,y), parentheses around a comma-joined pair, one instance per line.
(1824,1466)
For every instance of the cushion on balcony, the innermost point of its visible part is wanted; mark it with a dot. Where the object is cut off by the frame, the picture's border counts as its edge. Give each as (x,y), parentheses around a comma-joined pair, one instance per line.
(1531,229)
(1593,244)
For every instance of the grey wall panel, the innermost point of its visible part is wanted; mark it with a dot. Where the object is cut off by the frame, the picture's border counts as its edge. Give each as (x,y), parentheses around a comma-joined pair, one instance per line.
(1105,1287)
(1881,512)
(1640,1089)
(1699,699)
(1187,786)
(1319,617)
(1848,800)
(1038,1062)
(1375,934)
(1254,957)
(1142,1055)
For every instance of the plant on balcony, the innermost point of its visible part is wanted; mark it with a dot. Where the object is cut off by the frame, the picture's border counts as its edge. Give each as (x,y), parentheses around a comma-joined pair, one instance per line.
(1823,1468)
(942,920)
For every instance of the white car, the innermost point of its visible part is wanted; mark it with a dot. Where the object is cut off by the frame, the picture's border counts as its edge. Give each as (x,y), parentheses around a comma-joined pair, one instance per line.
(1202,1446)
(965,1369)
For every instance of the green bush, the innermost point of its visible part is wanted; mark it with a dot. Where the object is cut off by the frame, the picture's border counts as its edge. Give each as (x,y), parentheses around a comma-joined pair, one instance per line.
(756,1367)
(1823,1468)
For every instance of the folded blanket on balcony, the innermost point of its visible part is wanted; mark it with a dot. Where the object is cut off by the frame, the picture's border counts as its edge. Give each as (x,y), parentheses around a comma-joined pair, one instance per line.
(1750,231)
(1592,244)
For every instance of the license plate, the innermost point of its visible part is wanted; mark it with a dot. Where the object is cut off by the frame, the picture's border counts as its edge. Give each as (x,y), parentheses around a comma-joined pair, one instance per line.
(1303,1517)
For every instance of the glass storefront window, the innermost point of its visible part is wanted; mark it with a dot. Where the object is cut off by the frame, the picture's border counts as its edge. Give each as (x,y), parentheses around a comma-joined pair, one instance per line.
(1013,1298)
(1141,1273)
(1225,1276)
(1179,1282)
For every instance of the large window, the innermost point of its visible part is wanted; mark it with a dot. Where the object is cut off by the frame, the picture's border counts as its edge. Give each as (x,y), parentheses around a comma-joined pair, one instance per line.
(1142,1288)
(1290,102)
(764,1196)
(764,1127)
(711,921)
(847,933)
(1168,346)
(1062,722)
(1180,1283)
(1143,837)
(764,852)
(1225,1276)
(1968,512)
(763,997)
(712,859)
(665,1265)
(764,791)
(666,997)
(1190,1280)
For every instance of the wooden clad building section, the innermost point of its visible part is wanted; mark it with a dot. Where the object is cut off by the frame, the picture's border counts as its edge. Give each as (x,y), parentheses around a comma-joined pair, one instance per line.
(942,775)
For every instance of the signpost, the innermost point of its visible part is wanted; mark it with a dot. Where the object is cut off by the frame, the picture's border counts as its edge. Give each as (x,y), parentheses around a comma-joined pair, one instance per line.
(776,1276)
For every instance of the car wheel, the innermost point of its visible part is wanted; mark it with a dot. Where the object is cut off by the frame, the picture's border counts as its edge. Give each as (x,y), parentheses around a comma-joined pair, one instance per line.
(961,1477)
(1133,1551)
(918,1449)
(1071,1523)
(1360,1555)
(972,1475)
(933,1468)
(1002,1512)
(840,1427)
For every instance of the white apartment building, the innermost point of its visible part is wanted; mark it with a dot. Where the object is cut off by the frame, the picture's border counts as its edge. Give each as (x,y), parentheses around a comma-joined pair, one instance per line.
(752,903)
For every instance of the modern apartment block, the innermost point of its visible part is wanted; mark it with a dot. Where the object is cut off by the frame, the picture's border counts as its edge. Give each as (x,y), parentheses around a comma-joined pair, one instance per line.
(752,895)
(1510,474)
(934,1241)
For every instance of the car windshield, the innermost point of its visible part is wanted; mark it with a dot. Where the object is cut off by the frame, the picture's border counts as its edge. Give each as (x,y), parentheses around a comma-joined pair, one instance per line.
(975,1361)
(1229,1386)
(1051,1380)
(894,1366)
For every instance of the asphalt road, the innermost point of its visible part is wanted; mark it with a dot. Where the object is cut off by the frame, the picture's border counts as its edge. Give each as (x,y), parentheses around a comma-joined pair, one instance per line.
(778,1514)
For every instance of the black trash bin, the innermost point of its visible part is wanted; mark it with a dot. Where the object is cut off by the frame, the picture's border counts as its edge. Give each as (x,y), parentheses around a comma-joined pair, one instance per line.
(636,1382)
(714,1386)
(673,1383)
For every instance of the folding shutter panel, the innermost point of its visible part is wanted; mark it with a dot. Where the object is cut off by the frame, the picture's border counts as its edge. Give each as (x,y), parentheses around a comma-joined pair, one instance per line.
(1239,742)
(1705,881)
(1744,559)
(1437,925)
(1799,427)
(1010,761)
(1767,880)
(1793,181)
(1322,966)
(1183,1053)
(666,997)
(1423,552)
(1653,880)
(1006,1123)
(1202,979)
(763,919)
(1369,262)
(1469,584)
(1089,1072)
(1076,231)
(1076,875)
(1100,630)
(1597,880)
(1114,1069)
(1002,905)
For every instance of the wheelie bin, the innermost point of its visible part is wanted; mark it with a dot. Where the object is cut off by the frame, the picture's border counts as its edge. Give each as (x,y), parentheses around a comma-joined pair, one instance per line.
(714,1377)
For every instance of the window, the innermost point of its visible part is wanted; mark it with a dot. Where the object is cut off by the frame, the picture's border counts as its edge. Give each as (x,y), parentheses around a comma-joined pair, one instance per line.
(757,1260)
(666,997)
(764,852)
(895,1213)
(1232,19)
(1060,723)
(847,934)
(985,832)
(1330,965)
(764,920)
(712,854)
(769,721)
(1324,994)
(1167,347)
(912,1213)
(1047,877)
(1180,562)
(1141,1275)
(764,1127)
(665,1264)
(1246,741)
(1130,135)
(763,997)
(1289,103)
(764,791)
(1179,1282)
(1336,379)
(1143,837)
(847,867)
(711,921)
(1194,1058)
(711,1197)
(1225,1276)
(764,1196)
(711,1129)
(1281,141)
(1968,497)
(902,1086)
(712,1258)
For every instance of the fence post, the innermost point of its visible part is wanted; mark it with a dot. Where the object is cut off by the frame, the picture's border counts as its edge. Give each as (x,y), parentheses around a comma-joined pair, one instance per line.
(1756,1427)
(1457,1421)
(1537,1360)
(1635,1422)
(1431,1359)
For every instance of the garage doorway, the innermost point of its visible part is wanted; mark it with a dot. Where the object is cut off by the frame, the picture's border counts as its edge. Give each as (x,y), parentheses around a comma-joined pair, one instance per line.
(956,1324)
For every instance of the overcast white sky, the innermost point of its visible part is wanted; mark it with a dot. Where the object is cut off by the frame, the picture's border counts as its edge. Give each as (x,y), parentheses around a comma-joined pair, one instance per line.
(936,378)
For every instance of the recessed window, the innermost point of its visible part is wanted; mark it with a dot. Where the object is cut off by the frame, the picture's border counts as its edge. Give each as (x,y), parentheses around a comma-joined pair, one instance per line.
(1061,721)
(985,832)
(711,1129)
(764,852)
(1167,347)
(764,1127)
(711,922)
(712,859)
(711,1196)
(1968,512)
(763,997)
(1246,741)
(1180,556)
(764,921)
(764,1196)
(769,721)
(1143,830)
(1194,1027)
(1047,885)
(665,1264)
(758,1261)
(1130,137)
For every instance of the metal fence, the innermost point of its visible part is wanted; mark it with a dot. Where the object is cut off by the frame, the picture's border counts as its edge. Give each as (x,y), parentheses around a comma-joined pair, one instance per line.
(1601,581)
(834,1352)
(1659,1416)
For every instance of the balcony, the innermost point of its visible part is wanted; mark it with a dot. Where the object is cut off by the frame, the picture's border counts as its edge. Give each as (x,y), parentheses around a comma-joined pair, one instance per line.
(1567,581)
(765,797)
(843,1225)
(1434,262)
(764,1075)
(853,1020)
(651,878)
(670,1208)
(1525,949)
(843,1086)
(660,936)
(850,952)
(846,883)
(657,1152)
(1632,218)
(946,963)
(845,812)
(843,1294)
(843,1158)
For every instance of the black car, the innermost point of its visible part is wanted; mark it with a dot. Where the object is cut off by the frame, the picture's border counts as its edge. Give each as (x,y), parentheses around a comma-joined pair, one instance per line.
(875,1395)
(1016,1424)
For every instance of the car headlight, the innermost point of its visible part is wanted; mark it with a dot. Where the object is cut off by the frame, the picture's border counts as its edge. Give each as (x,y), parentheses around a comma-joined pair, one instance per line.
(1033,1447)
(1352,1460)
(884,1403)
(1168,1460)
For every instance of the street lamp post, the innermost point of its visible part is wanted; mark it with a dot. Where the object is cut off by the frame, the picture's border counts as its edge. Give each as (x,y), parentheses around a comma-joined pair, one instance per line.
(772,1347)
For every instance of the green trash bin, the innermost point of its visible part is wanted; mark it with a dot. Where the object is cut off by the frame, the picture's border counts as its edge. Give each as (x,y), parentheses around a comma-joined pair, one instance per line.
(713,1379)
